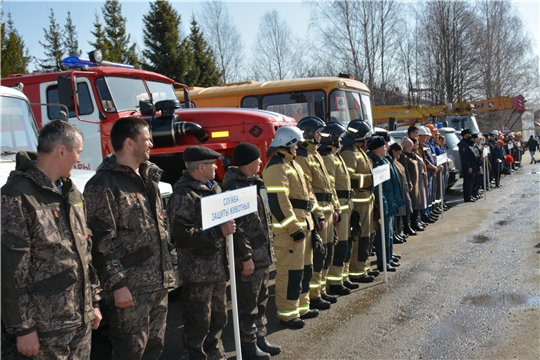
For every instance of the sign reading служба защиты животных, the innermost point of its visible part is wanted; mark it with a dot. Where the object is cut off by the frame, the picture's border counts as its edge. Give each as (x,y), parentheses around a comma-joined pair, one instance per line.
(220,208)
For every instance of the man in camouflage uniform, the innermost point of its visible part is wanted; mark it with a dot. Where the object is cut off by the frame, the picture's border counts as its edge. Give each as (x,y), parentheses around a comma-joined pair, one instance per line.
(291,201)
(202,258)
(253,249)
(49,287)
(362,222)
(131,251)
(315,170)
(339,175)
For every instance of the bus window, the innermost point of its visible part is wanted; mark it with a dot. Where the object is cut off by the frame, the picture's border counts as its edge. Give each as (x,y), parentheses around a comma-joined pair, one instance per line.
(250,102)
(348,105)
(296,105)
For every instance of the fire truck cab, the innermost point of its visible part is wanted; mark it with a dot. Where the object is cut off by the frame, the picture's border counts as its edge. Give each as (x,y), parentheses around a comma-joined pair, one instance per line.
(96,93)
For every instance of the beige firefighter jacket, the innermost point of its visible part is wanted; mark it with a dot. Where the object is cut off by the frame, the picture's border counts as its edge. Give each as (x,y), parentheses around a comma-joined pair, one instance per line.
(315,170)
(290,198)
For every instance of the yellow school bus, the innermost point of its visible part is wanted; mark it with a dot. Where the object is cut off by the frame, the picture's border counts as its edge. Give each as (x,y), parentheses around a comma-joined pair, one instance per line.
(339,99)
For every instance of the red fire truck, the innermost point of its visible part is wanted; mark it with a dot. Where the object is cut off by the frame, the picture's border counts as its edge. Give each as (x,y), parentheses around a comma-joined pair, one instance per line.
(94,93)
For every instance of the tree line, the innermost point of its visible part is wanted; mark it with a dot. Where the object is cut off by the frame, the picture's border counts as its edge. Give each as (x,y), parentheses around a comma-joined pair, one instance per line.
(431,52)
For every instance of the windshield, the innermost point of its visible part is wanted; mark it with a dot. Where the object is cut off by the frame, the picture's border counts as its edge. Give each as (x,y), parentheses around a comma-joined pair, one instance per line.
(122,93)
(19,130)
(451,140)
(346,106)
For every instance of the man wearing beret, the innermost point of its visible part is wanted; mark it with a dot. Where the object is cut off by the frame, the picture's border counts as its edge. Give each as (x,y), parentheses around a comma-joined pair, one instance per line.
(253,252)
(468,162)
(392,200)
(131,250)
(202,259)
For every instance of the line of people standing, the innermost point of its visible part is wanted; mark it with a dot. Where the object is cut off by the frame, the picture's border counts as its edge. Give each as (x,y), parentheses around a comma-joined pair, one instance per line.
(316,218)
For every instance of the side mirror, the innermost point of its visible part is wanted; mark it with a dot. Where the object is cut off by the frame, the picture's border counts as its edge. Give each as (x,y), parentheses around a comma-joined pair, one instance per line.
(63,116)
(65,92)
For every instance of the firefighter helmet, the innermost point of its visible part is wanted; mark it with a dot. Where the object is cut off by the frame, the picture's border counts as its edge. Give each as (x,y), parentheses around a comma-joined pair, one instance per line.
(310,125)
(333,131)
(358,129)
(287,136)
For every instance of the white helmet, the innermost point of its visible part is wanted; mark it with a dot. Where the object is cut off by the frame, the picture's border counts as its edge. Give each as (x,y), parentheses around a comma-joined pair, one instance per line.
(287,136)
(422,130)
(494,133)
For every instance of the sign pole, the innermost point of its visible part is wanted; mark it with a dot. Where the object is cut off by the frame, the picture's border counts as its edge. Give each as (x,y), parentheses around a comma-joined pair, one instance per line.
(236,323)
(383,238)
(219,209)
(441,177)
(380,175)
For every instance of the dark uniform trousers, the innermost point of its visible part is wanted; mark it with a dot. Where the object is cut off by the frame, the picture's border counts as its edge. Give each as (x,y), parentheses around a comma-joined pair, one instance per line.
(252,293)
(468,182)
(138,332)
(72,345)
(205,316)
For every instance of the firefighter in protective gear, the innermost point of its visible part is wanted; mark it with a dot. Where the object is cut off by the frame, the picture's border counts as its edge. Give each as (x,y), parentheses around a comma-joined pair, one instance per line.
(361,174)
(315,170)
(339,175)
(291,202)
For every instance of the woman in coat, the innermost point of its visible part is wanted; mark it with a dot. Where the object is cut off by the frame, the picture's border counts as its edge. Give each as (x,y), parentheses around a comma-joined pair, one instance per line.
(404,182)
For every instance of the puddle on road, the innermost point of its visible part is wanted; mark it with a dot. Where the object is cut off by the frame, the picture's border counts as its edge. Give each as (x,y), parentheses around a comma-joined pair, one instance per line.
(479,239)
(501,300)
(502,222)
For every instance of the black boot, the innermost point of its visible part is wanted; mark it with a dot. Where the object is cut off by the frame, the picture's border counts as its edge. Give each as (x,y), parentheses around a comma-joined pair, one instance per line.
(331,299)
(265,346)
(252,352)
(338,290)
(319,303)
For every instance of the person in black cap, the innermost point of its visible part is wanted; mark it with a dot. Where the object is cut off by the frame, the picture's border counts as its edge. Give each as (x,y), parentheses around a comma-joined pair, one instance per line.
(393,199)
(202,260)
(468,164)
(253,253)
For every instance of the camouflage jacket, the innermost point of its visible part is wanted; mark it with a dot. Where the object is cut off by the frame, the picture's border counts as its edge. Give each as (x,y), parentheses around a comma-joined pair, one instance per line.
(253,236)
(48,282)
(202,256)
(125,214)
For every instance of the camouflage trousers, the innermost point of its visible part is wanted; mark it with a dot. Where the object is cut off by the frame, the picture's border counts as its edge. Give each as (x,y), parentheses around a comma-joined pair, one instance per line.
(72,345)
(252,293)
(205,316)
(138,332)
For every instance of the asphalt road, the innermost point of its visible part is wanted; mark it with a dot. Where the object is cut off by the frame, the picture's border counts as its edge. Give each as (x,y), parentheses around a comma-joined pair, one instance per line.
(468,288)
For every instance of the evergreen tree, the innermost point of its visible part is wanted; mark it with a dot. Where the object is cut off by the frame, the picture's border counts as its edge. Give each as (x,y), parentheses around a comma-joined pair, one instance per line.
(204,58)
(15,58)
(164,51)
(53,48)
(186,63)
(100,42)
(71,44)
(115,33)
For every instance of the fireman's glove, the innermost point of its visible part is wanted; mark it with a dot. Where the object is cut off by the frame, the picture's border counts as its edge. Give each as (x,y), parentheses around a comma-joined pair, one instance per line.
(317,243)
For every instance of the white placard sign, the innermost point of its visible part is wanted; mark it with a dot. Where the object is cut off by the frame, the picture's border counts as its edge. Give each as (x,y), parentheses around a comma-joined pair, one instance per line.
(381,174)
(510,145)
(220,208)
(485,152)
(442,159)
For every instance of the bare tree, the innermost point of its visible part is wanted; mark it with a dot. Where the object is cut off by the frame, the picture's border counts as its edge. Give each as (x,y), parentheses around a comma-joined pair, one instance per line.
(504,57)
(274,54)
(447,57)
(360,38)
(224,39)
